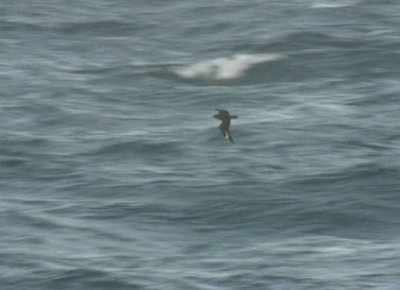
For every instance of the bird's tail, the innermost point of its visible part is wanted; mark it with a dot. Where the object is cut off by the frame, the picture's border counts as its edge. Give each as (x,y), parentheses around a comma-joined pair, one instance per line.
(229,136)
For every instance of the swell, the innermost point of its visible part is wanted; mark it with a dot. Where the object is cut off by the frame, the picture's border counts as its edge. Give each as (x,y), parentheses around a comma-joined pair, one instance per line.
(141,147)
(300,41)
(19,26)
(96,27)
(64,274)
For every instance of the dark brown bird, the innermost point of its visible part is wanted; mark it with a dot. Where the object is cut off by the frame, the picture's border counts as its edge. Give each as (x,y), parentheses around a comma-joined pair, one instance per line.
(225,118)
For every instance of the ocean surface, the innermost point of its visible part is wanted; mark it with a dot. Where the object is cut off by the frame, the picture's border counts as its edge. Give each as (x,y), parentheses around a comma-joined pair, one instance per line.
(114,175)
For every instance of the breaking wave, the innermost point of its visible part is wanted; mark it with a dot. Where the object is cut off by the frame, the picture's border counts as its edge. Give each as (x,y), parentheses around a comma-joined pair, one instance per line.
(334,4)
(224,68)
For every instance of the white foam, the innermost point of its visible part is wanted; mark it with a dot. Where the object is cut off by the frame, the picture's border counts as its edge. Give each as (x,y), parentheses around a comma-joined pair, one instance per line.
(224,67)
(333,4)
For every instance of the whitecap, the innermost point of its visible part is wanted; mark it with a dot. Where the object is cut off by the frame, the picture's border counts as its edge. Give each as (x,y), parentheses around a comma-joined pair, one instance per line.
(224,68)
(333,4)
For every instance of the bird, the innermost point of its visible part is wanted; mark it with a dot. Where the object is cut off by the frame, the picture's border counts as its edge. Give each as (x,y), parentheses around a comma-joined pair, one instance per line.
(225,118)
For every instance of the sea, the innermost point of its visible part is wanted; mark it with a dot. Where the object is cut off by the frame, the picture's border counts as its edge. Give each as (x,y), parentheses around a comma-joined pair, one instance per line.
(115,176)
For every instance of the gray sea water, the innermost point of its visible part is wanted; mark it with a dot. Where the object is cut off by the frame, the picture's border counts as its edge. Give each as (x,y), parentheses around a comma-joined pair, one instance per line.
(114,175)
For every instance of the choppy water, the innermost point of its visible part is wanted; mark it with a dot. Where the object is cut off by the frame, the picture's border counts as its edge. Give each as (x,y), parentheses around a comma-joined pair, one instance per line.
(114,175)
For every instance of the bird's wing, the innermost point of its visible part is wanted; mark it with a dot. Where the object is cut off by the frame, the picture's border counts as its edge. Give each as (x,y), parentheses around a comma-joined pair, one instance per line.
(223,113)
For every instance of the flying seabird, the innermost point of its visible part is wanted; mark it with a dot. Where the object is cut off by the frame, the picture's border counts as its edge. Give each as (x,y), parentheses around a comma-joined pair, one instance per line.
(225,118)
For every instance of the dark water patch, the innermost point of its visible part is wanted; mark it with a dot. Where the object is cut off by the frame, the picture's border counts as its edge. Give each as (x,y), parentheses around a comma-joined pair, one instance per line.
(375,171)
(341,221)
(140,147)
(306,41)
(16,25)
(97,70)
(369,97)
(354,178)
(29,219)
(14,140)
(13,28)
(25,148)
(12,162)
(85,277)
(217,28)
(125,211)
(103,28)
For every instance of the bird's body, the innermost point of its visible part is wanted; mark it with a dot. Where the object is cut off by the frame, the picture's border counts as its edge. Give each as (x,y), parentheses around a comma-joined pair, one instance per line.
(225,118)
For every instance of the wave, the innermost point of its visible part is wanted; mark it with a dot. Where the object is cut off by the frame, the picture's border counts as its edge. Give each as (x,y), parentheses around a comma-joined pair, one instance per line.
(99,28)
(224,68)
(144,148)
(334,4)
(7,25)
